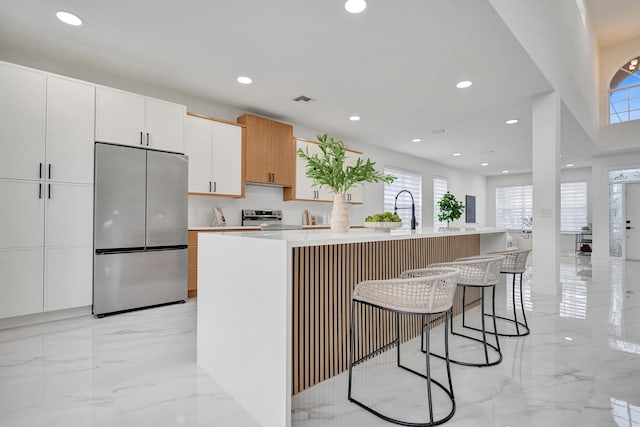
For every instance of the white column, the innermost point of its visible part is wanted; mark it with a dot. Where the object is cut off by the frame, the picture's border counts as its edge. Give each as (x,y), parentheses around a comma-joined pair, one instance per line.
(546,193)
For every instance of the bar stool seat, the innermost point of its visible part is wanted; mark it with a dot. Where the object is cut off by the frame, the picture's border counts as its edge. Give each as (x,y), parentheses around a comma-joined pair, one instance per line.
(515,263)
(430,294)
(477,272)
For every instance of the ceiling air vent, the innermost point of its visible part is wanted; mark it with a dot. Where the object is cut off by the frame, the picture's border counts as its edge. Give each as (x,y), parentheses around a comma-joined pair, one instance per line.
(303,99)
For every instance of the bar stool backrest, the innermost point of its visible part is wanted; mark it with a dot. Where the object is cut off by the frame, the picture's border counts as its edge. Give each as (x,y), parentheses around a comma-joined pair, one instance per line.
(515,261)
(431,292)
(484,271)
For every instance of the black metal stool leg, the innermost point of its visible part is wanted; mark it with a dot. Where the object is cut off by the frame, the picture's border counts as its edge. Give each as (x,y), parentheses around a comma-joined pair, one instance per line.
(524,316)
(426,356)
(351,347)
(513,298)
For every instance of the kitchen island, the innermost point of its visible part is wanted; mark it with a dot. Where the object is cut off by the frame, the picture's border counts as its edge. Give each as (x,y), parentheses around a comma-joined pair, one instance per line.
(274,307)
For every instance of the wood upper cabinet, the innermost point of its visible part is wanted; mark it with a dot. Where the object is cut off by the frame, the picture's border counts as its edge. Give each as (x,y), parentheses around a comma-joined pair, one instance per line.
(136,120)
(215,157)
(270,153)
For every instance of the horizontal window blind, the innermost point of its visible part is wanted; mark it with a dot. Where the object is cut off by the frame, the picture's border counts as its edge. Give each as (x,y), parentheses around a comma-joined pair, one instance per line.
(439,190)
(573,206)
(406,180)
(513,204)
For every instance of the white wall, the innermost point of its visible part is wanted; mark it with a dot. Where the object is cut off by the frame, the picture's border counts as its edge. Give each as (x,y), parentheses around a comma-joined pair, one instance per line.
(264,197)
(559,42)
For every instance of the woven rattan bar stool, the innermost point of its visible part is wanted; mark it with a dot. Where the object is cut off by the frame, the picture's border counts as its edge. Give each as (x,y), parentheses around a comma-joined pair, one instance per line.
(483,273)
(515,263)
(430,294)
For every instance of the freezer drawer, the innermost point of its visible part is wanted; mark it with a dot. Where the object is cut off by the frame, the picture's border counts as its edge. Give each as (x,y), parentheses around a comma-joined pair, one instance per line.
(124,281)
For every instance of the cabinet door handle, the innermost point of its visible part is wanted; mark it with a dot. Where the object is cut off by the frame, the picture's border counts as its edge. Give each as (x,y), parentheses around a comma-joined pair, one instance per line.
(274,177)
(215,187)
(49,191)
(147,139)
(209,186)
(40,171)
(49,171)
(39,191)
(140,138)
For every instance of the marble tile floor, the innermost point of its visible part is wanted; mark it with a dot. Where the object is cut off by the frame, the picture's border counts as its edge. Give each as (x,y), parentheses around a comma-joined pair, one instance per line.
(579,367)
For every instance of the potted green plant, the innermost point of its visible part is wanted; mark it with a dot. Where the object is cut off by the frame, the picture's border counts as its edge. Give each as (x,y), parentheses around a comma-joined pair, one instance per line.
(450,208)
(327,169)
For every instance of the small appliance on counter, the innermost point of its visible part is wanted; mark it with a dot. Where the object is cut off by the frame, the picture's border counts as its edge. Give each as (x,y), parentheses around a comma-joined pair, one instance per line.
(218,219)
(267,220)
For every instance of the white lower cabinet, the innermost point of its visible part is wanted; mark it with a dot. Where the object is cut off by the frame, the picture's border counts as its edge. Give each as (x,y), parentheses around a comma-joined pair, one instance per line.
(21,272)
(68,277)
(46,231)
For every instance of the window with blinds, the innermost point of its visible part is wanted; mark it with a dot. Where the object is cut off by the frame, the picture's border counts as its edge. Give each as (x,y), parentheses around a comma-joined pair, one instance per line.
(439,190)
(513,205)
(573,206)
(406,180)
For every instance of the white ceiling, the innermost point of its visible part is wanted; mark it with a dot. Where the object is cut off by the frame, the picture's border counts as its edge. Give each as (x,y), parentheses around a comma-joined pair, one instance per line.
(395,65)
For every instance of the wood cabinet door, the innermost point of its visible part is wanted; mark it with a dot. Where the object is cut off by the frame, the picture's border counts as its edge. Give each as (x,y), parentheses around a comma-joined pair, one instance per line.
(282,154)
(227,159)
(199,138)
(258,150)
(22,214)
(68,278)
(164,125)
(22,122)
(21,281)
(70,130)
(119,117)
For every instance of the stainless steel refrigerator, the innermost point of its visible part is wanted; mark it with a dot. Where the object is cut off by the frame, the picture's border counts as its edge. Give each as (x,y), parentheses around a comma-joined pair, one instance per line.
(140,228)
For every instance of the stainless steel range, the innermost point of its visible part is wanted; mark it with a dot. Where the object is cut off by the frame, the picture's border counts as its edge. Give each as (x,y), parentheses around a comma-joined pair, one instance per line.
(266,219)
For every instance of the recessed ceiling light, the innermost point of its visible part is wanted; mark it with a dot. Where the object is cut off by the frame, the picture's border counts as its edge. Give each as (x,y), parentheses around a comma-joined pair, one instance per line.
(355,6)
(416,140)
(438,131)
(69,18)
(568,338)
(505,171)
(245,80)
(463,84)
(354,118)
(484,164)
(511,121)
(569,165)
(457,154)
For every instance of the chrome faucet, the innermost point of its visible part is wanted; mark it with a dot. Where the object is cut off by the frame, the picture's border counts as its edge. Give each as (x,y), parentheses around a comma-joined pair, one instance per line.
(413,208)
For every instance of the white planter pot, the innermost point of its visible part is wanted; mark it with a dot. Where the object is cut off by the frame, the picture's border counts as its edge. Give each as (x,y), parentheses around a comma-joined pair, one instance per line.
(340,214)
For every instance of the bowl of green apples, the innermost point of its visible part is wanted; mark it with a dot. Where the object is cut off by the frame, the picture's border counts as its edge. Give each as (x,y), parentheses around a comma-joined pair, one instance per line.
(385,221)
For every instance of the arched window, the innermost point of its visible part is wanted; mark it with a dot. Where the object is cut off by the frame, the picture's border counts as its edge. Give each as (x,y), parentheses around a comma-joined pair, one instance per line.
(624,93)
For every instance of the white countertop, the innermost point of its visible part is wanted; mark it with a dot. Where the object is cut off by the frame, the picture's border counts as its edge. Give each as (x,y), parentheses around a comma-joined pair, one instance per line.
(295,238)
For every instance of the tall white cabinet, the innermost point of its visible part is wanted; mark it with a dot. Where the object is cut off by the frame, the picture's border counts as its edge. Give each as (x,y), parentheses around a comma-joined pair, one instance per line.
(215,157)
(136,120)
(46,174)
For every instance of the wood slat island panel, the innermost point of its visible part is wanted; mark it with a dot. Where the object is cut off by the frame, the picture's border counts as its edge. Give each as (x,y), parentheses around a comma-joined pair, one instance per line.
(323,279)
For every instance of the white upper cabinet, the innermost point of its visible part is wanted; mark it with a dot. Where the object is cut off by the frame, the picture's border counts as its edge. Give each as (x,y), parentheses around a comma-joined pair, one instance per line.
(22,122)
(131,119)
(304,189)
(69,130)
(199,136)
(164,125)
(227,159)
(355,194)
(215,157)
